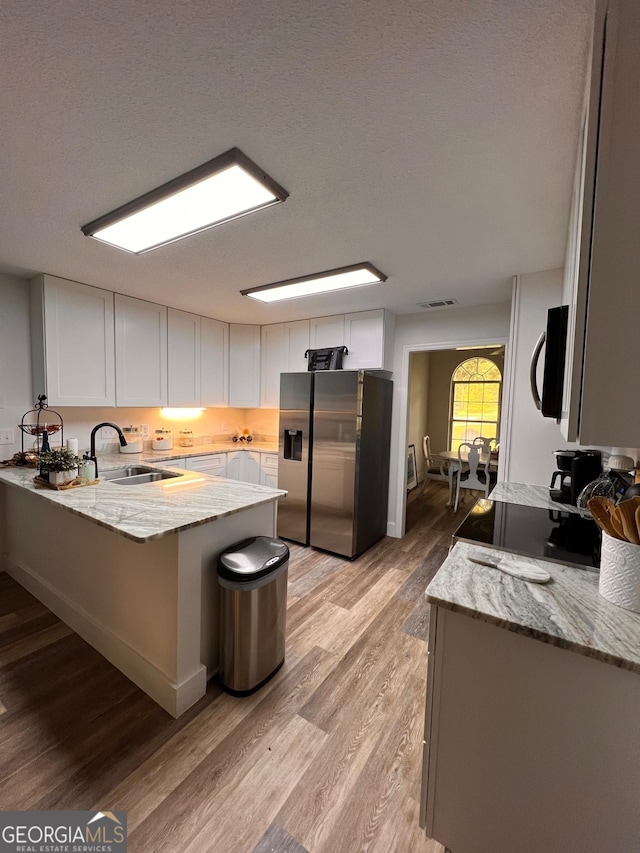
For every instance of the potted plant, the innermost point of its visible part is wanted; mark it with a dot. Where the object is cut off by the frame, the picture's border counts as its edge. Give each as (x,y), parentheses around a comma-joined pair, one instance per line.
(59,466)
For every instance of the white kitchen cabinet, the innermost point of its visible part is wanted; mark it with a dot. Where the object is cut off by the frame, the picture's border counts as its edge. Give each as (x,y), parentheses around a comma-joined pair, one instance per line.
(269,469)
(72,332)
(603,248)
(214,362)
(183,348)
(213,463)
(244,366)
(141,352)
(511,758)
(326,332)
(283,346)
(181,462)
(273,362)
(296,343)
(244,465)
(368,335)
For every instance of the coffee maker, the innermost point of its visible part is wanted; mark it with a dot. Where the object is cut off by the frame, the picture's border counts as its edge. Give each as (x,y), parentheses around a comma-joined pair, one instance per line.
(575,469)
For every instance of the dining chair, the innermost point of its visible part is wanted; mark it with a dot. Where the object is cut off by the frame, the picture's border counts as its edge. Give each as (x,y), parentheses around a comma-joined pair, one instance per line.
(486,442)
(469,477)
(435,468)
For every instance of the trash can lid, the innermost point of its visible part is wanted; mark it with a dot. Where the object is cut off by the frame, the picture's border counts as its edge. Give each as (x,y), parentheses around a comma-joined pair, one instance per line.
(252,558)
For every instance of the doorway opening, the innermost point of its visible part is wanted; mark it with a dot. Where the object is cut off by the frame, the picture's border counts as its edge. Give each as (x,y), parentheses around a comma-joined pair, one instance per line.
(454,395)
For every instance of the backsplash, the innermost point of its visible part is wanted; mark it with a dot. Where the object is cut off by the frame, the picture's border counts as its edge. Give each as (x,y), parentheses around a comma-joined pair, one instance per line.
(209,425)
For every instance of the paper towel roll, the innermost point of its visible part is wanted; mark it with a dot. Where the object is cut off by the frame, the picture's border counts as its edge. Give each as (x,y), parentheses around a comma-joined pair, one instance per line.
(72,445)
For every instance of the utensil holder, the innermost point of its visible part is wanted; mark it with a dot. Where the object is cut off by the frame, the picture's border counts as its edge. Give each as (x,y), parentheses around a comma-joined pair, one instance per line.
(620,573)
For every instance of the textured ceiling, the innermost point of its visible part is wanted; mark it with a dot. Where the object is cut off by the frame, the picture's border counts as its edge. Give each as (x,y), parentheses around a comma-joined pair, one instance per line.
(435,138)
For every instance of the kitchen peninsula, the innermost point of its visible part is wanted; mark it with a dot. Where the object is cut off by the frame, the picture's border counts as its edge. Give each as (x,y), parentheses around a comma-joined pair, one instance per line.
(532,732)
(133,569)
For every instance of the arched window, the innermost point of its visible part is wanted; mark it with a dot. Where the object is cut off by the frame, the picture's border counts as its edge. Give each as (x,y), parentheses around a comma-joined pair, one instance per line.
(475,401)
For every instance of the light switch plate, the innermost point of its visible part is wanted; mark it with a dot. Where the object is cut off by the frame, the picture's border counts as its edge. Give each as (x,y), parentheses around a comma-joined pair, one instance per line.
(6,436)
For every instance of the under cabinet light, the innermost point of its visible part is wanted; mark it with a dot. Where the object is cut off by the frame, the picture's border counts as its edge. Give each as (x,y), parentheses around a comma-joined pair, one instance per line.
(356,275)
(225,188)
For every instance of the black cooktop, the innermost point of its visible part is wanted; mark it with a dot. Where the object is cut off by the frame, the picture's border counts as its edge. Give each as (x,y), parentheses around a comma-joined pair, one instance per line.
(548,533)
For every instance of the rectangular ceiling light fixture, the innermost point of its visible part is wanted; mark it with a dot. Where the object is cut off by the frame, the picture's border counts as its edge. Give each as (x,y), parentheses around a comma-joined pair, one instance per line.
(357,275)
(225,188)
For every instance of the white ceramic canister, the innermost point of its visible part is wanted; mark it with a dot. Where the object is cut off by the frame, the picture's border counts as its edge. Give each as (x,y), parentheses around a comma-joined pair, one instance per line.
(620,573)
(135,440)
(162,440)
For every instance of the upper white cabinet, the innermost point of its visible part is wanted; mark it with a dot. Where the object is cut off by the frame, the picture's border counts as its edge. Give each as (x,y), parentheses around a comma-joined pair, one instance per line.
(244,366)
(141,352)
(214,362)
(601,272)
(368,335)
(72,342)
(326,332)
(296,343)
(273,362)
(283,346)
(183,349)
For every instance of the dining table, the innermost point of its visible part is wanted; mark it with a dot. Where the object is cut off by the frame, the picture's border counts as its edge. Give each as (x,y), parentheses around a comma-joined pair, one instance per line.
(452,457)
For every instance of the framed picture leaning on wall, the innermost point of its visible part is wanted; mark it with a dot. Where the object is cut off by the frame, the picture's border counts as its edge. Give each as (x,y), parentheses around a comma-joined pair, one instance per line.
(412,470)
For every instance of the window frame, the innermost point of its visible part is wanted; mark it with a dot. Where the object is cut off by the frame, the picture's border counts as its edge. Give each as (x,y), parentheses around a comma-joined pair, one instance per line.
(452,387)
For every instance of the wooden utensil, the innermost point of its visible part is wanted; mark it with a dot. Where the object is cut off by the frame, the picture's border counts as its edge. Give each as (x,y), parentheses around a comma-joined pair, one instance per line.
(626,511)
(616,521)
(600,509)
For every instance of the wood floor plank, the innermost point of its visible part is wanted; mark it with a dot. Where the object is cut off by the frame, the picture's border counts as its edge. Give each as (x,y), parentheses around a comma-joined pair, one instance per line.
(204,792)
(33,642)
(256,798)
(371,800)
(276,840)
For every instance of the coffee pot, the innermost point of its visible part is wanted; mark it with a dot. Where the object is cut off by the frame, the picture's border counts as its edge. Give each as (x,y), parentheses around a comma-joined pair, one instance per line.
(575,469)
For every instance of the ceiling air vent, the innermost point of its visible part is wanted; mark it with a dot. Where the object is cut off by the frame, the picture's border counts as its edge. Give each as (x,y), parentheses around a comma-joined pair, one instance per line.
(438,303)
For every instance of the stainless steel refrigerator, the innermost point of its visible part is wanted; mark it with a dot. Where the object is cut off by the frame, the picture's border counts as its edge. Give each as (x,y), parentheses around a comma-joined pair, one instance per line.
(333,460)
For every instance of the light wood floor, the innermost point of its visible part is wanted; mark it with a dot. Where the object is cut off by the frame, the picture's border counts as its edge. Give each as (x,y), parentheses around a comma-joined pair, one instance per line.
(325,758)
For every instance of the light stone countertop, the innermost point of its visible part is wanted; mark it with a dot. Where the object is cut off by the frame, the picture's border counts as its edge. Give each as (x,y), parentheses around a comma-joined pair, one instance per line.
(567,612)
(527,495)
(151,510)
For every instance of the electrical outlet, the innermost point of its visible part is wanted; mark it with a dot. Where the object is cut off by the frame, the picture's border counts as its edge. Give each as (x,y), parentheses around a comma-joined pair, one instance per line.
(107,433)
(144,428)
(6,436)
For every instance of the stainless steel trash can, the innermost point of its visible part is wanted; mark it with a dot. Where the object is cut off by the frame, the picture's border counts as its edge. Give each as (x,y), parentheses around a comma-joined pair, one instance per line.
(253,607)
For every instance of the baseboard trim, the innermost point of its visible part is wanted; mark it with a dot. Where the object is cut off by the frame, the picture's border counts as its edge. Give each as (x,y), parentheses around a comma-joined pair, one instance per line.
(174,698)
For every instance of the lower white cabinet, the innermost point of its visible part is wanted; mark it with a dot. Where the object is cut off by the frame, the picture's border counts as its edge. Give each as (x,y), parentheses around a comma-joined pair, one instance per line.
(269,469)
(173,463)
(244,465)
(215,463)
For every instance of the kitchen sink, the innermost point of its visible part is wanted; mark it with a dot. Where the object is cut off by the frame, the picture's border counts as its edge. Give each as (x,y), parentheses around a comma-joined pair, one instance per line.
(136,475)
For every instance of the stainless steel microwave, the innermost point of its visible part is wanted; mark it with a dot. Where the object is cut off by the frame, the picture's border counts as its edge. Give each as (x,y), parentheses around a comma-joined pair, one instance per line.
(554,341)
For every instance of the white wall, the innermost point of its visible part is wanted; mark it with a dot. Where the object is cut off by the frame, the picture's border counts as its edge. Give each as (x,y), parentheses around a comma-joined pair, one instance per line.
(441,329)
(419,380)
(15,358)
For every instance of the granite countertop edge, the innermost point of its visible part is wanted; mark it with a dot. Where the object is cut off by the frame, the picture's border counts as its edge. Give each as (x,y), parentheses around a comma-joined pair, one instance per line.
(598,614)
(195,516)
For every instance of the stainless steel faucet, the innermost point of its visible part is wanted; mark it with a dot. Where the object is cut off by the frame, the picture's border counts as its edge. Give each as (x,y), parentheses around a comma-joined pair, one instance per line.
(92,448)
